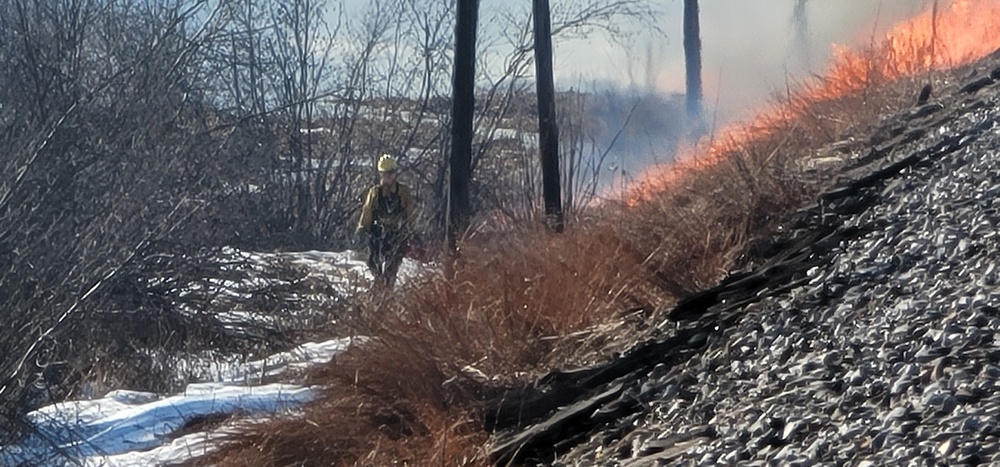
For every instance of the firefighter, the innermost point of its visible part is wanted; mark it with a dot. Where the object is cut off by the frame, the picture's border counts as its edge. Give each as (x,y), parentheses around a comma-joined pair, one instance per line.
(386,218)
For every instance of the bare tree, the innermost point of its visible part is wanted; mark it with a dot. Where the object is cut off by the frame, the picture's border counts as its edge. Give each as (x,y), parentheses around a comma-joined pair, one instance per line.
(515,184)
(692,59)
(109,154)
(548,132)
(800,24)
(463,107)
(301,64)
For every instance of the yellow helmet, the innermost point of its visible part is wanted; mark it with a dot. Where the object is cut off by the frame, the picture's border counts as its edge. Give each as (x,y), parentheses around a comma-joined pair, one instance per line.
(387,163)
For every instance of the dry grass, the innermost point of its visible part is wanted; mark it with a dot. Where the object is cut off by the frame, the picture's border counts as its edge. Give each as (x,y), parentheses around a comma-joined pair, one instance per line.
(411,394)
(371,416)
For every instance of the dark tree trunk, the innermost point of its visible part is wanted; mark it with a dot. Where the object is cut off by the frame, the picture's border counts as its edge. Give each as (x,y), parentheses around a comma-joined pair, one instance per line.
(463,104)
(801,24)
(692,58)
(548,132)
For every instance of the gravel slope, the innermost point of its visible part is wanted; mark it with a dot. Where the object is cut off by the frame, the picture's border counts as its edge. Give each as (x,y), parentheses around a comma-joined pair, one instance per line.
(877,348)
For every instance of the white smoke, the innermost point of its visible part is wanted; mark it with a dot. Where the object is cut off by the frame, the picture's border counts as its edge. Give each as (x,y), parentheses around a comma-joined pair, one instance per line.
(752,49)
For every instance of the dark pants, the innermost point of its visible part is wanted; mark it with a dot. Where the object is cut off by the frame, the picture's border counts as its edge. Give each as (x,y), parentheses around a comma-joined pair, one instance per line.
(386,248)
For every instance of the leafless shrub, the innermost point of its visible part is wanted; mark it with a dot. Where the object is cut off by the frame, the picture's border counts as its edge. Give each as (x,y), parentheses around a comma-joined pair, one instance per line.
(99,133)
(119,167)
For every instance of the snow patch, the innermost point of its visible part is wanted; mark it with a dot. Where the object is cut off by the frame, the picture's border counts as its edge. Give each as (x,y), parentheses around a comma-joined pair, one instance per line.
(135,428)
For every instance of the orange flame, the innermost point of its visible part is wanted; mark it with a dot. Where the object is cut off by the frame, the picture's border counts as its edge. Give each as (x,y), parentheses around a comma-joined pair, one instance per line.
(963,32)
(936,39)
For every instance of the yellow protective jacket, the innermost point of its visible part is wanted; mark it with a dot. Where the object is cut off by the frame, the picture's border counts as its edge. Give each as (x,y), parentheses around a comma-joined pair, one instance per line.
(390,207)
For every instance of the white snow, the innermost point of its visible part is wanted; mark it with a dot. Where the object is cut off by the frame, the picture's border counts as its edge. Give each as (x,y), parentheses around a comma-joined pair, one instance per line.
(89,431)
(129,428)
(184,447)
(299,358)
(344,268)
(133,428)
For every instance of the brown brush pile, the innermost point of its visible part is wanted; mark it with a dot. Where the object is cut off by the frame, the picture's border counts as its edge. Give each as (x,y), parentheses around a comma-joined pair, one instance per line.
(531,301)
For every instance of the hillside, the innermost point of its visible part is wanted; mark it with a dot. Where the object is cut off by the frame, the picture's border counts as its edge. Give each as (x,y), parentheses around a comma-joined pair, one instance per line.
(864,334)
(814,285)
(660,302)
(859,330)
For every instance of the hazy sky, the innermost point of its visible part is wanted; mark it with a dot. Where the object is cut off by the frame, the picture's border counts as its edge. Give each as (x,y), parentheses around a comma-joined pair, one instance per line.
(751,47)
